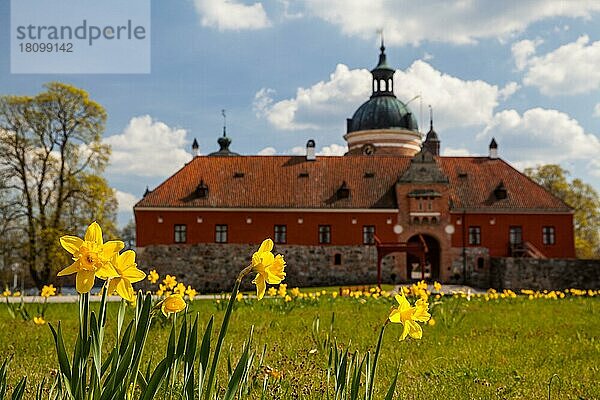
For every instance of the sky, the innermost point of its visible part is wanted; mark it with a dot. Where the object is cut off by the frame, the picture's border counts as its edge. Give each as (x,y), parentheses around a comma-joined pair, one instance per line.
(523,71)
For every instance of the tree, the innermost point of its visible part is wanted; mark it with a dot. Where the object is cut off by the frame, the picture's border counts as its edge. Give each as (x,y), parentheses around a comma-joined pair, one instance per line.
(51,160)
(582,198)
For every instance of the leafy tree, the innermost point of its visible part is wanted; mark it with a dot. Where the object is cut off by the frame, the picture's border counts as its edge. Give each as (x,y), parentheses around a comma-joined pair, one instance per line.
(51,160)
(582,198)
(127,234)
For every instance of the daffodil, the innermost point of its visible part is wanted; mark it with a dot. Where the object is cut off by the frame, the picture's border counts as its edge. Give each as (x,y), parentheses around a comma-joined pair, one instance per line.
(272,291)
(91,256)
(191,293)
(48,291)
(409,315)
(6,293)
(153,276)
(170,281)
(173,304)
(268,268)
(127,272)
(39,320)
(180,288)
(239,296)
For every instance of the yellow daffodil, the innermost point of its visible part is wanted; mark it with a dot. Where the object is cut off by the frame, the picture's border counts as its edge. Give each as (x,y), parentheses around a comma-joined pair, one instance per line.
(191,293)
(295,292)
(408,316)
(17,294)
(48,291)
(153,276)
(437,286)
(39,320)
(173,304)
(287,298)
(180,288)
(272,291)
(239,296)
(170,281)
(282,291)
(268,268)
(91,257)
(431,322)
(6,293)
(128,273)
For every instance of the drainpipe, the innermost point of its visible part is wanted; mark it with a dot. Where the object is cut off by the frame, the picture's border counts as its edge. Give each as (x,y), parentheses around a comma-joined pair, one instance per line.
(464,249)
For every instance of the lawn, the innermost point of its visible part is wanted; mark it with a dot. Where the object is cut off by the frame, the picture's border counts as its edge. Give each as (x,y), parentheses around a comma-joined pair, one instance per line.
(477,349)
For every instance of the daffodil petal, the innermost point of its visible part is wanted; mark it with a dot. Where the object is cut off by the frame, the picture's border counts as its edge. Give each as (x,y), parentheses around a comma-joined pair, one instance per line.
(113,247)
(107,270)
(112,286)
(125,290)
(415,330)
(261,286)
(266,246)
(71,269)
(395,316)
(404,331)
(84,281)
(94,233)
(71,243)
(127,259)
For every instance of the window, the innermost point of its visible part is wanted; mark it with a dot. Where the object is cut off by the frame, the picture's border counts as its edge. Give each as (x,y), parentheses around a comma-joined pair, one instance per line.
(368,234)
(548,235)
(337,259)
(180,233)
(474,235)
(221,233)
(324,234)
(280,233)
(515,235)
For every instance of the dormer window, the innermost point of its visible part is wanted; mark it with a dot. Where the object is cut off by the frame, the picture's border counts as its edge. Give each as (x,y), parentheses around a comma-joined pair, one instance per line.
(238,175)
(202,190)
(343,191)
(500,193)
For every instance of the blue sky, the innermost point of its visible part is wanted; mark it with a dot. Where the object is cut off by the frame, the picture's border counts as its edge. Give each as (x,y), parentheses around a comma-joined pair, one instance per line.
(525,72)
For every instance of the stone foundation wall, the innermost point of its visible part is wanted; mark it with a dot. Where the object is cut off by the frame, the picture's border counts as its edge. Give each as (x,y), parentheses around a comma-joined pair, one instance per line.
(549,274)
(214,267)
(476,270)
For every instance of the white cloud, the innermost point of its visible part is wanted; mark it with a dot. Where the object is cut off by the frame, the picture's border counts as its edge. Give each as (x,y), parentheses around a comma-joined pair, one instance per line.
(597,110)
(147,147)
(523,50)
(540,136)
(452,152)
(126,201)
(570,69)
(326,104)
(231,15)
(333,150)
(427,56)
(458,22)
(267,151)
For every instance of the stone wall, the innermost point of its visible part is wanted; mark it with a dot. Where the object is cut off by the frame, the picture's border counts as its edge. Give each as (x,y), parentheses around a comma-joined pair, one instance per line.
(213,267)
(548,274)
(476,269)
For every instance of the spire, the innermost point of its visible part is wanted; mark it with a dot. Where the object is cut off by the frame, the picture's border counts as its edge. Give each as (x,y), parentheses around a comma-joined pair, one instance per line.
(383,82)
(432,142)
(147,191)
(224,141)
(493,149)
(195,148)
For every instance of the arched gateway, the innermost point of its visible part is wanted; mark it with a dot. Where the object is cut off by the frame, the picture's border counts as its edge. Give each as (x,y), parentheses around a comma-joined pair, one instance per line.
(430,270)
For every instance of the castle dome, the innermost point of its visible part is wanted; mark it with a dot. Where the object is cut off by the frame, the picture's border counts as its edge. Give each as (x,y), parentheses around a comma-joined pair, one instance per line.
(382,112)
(383,124)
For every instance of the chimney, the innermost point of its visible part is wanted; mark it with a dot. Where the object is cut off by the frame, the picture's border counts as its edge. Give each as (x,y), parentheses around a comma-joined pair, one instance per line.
(310,150)
(493,149)
(195,148)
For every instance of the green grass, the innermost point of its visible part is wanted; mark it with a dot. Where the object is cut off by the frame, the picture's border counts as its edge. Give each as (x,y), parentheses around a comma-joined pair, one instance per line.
(504,349)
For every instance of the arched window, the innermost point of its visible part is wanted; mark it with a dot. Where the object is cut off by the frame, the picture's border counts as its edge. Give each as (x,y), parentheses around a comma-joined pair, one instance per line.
(382,85)
(434,220)
(390,85)
(374,85)
(416,220)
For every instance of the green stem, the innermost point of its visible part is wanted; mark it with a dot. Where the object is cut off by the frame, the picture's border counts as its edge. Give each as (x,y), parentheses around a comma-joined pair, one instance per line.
(223,330)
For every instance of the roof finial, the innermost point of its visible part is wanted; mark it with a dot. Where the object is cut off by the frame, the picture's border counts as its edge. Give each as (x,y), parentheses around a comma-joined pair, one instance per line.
(382,48)
(430,117)
(224,123)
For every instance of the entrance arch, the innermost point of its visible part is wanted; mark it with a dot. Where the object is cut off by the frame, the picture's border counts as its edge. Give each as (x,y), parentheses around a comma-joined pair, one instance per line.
(432,258)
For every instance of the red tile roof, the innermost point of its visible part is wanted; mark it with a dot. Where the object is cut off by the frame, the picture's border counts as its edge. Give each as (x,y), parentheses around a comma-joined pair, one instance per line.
(294,182)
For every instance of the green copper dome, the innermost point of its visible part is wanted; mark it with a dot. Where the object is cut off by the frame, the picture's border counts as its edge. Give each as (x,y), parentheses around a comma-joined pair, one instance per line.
(382,112)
